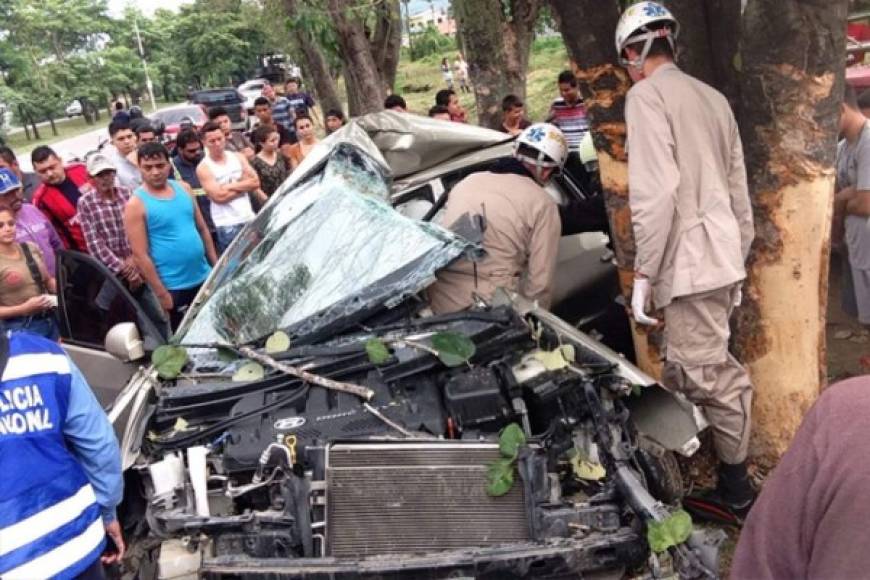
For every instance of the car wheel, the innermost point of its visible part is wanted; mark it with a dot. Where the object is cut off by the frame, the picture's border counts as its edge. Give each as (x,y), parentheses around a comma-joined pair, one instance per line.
(662,471)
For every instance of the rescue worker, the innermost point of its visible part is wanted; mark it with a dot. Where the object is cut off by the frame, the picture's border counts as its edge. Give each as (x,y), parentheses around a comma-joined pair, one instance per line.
(61,463)
(693,228)
(521,225)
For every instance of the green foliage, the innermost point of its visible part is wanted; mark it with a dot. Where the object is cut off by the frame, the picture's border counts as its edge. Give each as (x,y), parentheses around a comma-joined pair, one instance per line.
(454,349)
(670,532)
(278,342)
(430,42)
(377,351)
(169,360)
(500,473)
(250,371)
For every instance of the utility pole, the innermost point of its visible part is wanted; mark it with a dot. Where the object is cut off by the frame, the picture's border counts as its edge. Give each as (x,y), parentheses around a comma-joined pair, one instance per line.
(410,32)
(148,83)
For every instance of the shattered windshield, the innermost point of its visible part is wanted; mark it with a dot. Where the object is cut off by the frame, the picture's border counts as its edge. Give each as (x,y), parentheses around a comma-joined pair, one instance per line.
(327,248)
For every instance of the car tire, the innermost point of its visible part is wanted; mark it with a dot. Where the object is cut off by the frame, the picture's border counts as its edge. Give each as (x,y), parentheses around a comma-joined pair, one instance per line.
(662,471)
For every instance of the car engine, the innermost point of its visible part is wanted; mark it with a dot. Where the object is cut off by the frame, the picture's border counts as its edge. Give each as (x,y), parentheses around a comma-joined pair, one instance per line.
(239,479)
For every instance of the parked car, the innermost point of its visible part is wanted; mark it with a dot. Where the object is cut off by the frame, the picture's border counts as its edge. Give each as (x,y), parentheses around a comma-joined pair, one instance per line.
(251,90)
(236,471)
(74,109)
(228,98)
(177,118)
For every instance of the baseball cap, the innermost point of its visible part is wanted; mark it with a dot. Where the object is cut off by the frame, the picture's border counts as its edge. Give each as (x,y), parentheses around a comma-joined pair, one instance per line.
(97,163)
(8,181)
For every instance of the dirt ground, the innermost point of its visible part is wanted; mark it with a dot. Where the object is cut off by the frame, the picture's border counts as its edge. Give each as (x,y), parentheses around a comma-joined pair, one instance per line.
(848,344)
(848,341)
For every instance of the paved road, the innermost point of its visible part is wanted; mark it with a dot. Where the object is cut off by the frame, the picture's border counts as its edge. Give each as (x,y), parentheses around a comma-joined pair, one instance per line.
(78,146)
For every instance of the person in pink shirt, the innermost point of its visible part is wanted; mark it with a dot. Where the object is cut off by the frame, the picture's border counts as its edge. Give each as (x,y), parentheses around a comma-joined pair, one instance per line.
(31,224)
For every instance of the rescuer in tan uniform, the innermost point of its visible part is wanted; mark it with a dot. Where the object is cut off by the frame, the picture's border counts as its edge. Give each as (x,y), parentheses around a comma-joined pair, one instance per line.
(521,221)
(693,228)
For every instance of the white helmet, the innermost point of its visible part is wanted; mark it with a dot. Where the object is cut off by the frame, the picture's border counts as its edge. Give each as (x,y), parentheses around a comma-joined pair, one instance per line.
(548,140)
(633,27)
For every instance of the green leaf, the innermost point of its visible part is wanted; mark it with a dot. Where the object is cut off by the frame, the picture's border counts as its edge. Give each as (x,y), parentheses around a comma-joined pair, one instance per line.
(453,348)
(226,354)
(554,360)
(500,477)
(169,360)
(377,351)
(278,342)
(672,531)
(636,390)
(510,439)
(250,371)
(586,469)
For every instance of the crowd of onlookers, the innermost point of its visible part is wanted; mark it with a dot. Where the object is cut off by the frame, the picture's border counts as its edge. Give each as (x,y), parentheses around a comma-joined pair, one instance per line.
(159,219)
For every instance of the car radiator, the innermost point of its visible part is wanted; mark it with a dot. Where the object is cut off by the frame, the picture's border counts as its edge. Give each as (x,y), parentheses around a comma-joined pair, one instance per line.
(402,497)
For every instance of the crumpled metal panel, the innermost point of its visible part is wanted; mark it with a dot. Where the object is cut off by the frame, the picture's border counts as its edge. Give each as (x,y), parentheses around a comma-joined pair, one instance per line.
(328,248)
(412,143)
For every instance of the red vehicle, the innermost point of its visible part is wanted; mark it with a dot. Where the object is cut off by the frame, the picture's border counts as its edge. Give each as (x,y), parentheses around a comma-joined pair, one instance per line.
(178,118)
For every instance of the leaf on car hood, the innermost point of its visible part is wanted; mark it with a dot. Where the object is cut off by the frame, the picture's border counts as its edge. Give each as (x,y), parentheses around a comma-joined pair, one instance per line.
(169,360)
(250,371)
(278,342)
(453,348)
(553,360)
(377,351)
(672,531)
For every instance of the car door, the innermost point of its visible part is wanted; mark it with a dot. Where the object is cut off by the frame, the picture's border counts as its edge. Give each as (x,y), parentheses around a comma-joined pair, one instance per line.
(90,302)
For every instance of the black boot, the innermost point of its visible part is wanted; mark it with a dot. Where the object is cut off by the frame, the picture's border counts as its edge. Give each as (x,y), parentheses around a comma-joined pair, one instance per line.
(730,502)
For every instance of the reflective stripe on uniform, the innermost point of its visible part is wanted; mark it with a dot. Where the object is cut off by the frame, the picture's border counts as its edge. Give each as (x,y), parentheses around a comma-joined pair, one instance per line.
(26,365)
(57,560)
(46,521)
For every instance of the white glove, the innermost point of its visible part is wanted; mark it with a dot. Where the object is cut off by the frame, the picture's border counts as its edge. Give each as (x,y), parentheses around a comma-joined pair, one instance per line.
(640,295)
(738,296)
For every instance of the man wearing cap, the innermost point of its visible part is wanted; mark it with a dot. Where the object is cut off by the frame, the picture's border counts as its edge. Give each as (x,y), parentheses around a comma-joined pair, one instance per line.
(31,225)
(101,213)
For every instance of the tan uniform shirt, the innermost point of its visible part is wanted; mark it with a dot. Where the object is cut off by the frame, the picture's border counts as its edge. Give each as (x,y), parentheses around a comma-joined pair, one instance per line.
(687,186)
(17,286)
(521,241)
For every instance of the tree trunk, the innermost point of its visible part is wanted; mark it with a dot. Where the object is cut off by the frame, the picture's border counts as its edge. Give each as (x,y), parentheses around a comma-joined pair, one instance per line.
(36,134)
(387,41)
(315,62)
(51,122)
(517,37)
(479,23)
(365,85)
(708,43)
(793,54)
(603,84)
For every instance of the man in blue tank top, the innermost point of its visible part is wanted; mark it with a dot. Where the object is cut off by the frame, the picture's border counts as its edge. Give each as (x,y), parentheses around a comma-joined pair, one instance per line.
(61,464)
(170,240)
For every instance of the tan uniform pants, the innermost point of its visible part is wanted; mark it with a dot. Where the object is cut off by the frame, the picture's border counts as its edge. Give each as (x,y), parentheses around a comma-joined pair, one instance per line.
(698,364)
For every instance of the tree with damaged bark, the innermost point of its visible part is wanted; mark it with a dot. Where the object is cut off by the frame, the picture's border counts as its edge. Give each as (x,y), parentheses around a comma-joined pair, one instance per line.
(788,94)
(793,55)
(496,38)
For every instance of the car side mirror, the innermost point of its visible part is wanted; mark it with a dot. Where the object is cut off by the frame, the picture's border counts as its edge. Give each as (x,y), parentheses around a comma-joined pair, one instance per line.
(124,342)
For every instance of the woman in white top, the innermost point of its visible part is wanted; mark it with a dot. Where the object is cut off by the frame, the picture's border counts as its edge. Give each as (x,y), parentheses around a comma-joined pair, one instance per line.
(446,73)
(227,179)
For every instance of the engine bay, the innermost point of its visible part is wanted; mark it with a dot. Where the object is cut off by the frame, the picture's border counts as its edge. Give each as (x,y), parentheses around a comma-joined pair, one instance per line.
(282,470)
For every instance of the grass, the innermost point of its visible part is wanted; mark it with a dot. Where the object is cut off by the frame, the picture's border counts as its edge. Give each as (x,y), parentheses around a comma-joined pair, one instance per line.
(548,58)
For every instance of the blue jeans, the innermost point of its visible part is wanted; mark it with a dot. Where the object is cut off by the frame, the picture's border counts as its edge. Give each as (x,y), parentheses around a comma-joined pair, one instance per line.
(225,235)
(43,325)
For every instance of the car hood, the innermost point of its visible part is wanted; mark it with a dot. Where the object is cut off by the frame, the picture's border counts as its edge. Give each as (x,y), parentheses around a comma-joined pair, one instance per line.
(325,253)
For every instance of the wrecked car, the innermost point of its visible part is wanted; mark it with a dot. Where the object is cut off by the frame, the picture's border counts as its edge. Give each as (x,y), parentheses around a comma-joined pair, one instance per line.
(312,420)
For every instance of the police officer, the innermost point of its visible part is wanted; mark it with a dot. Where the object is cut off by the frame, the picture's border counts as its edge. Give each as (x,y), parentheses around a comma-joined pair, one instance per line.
(693,228)
(61,467)
(522,229)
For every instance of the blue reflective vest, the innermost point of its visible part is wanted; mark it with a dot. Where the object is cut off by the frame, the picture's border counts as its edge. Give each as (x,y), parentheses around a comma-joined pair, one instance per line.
(50,525)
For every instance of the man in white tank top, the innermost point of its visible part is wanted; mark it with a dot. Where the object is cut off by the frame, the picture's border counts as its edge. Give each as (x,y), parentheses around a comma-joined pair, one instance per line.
(227,178)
